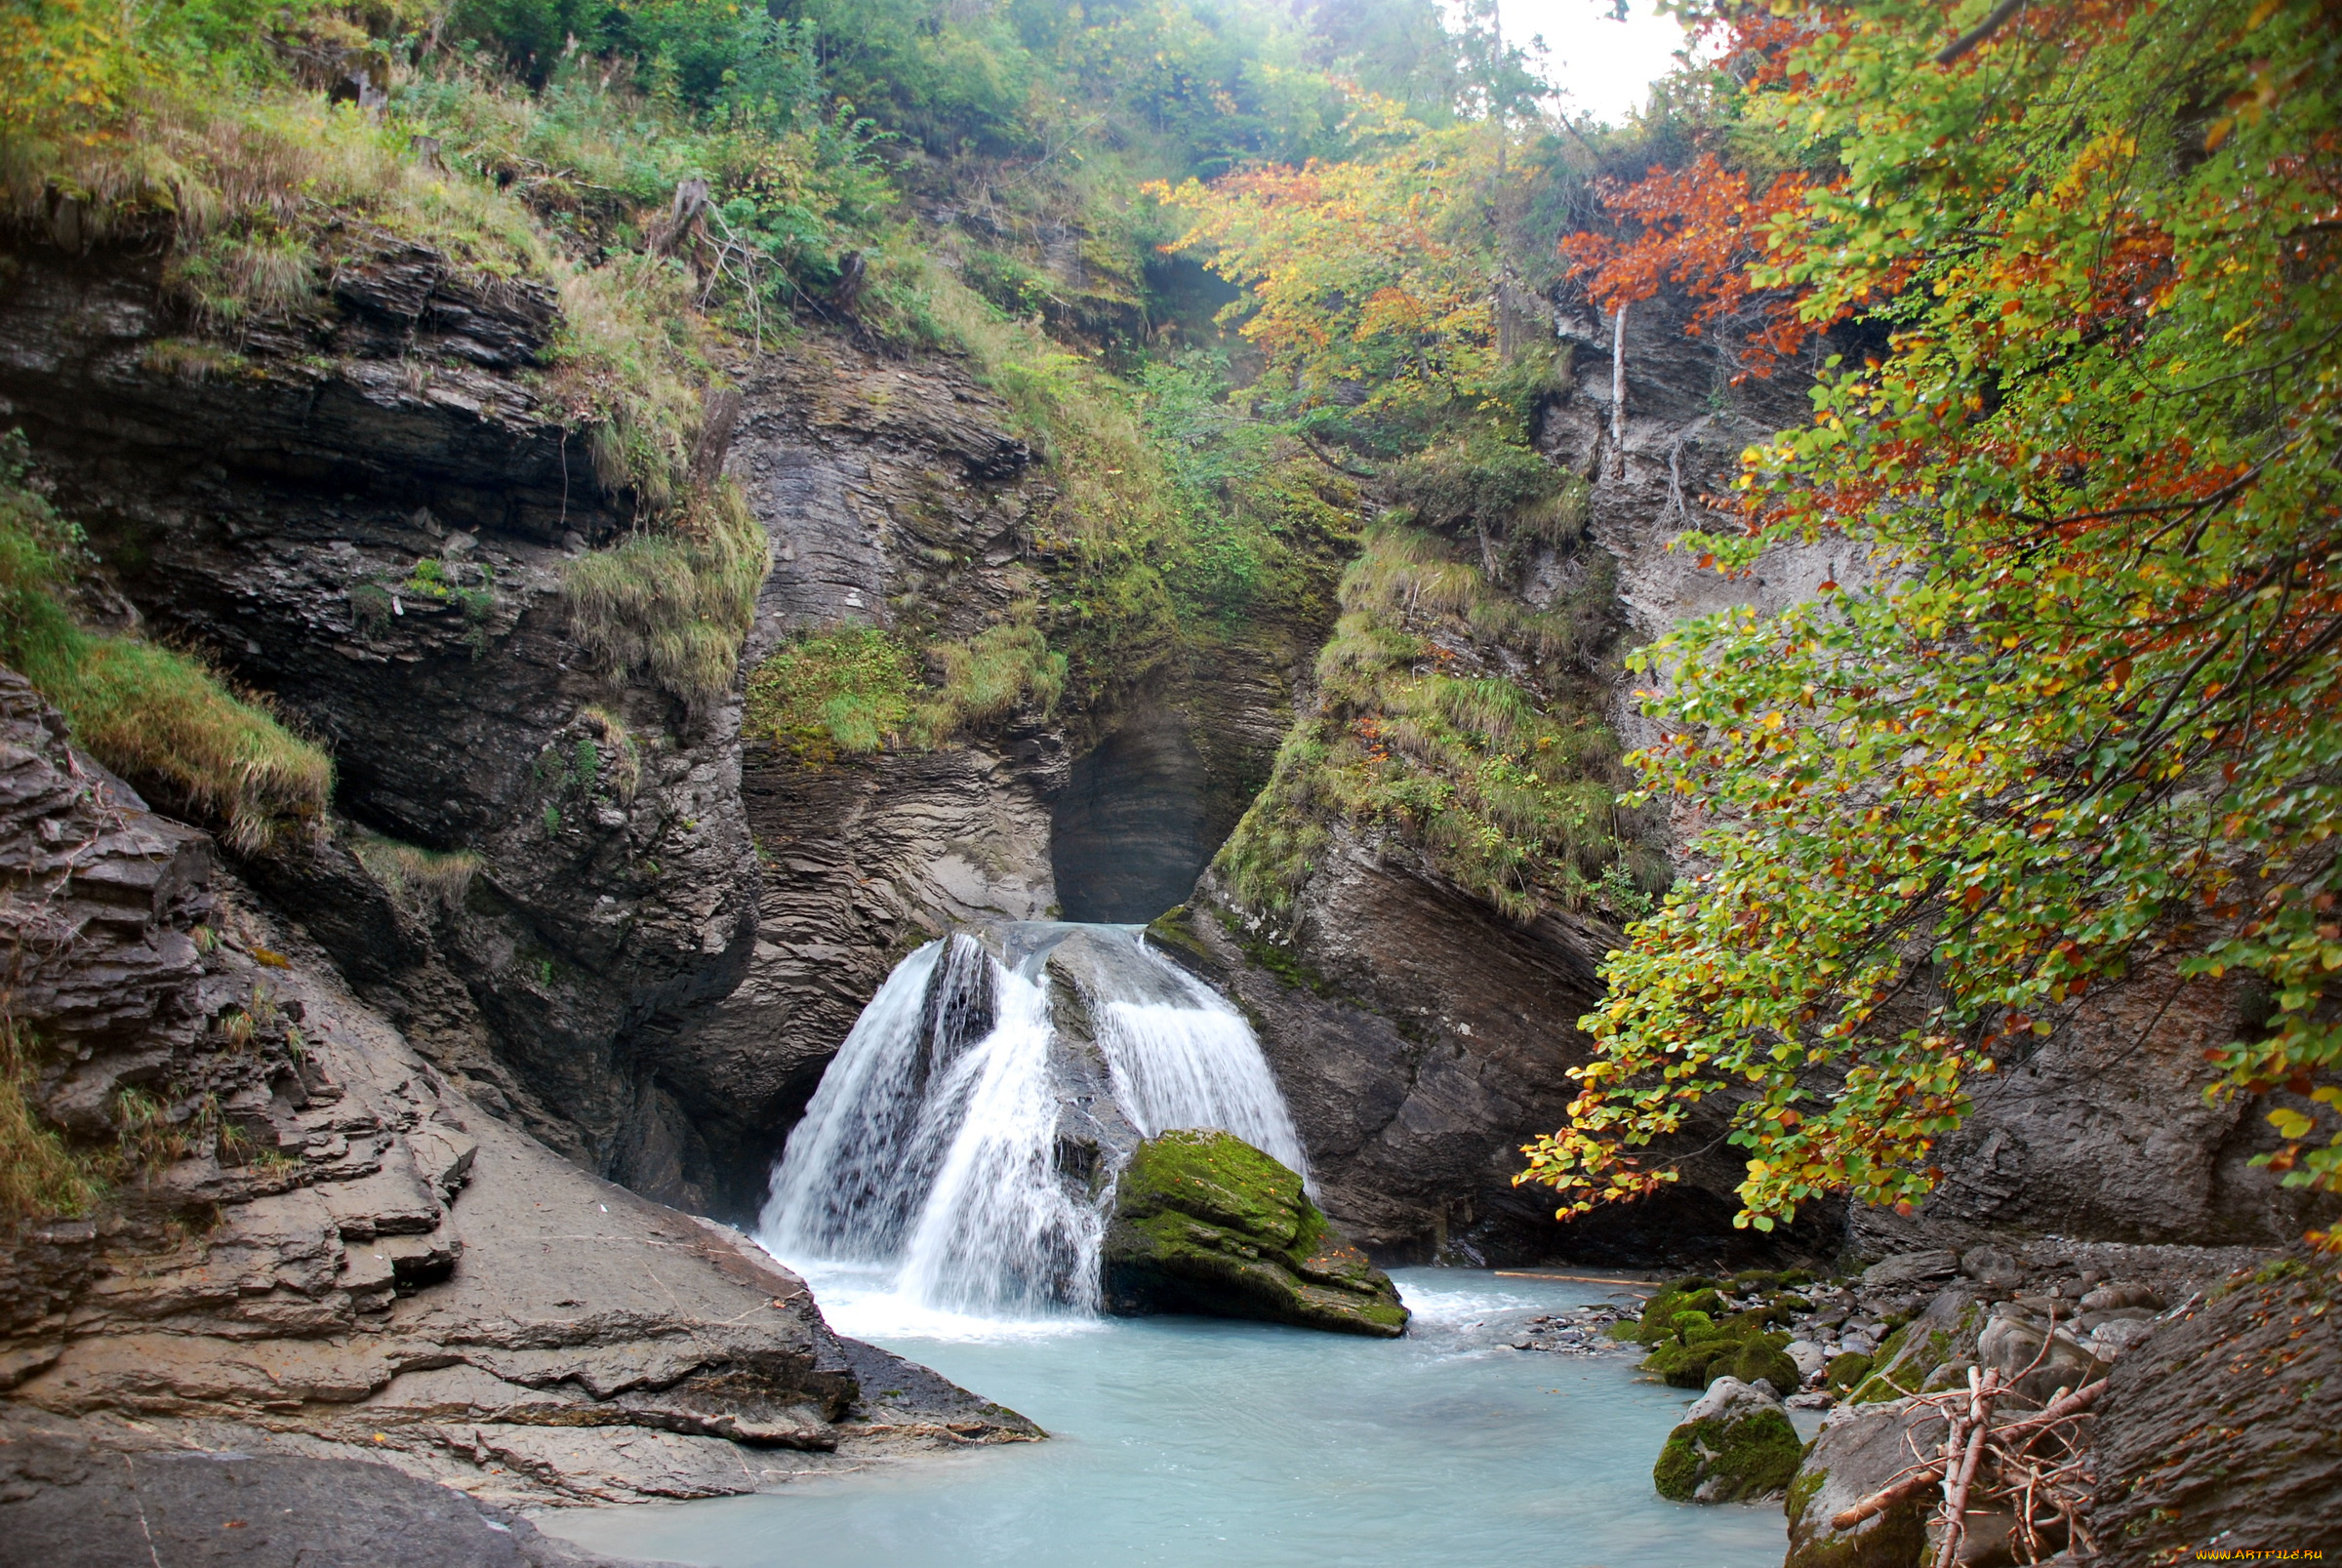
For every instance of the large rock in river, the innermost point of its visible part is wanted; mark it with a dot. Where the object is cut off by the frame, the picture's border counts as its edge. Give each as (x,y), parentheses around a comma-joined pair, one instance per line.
(1735,1443)
(1205,1223)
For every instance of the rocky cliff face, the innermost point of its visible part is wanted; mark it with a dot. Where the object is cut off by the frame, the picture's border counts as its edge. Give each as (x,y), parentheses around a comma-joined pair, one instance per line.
(896,495)
(365,510)
(1423,1036)
(317,1245)
(648,957)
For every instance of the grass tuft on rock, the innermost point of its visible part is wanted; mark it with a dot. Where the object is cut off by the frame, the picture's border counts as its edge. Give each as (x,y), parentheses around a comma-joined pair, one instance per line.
(420,879)
(853,689)
(1505,782)
(159,717)
(675,604)
(39,1174)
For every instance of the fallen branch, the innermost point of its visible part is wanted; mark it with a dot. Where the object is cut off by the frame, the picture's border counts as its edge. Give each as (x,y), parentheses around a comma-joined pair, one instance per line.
(1979,1460)
(1982,1389)
(1886,1498)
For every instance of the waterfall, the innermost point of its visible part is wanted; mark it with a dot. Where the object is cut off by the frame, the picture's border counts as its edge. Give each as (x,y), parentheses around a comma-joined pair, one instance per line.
(963,1142)
(1186,1059)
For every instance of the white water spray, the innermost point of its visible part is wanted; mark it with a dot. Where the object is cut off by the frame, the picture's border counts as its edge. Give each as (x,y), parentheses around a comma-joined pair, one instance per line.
(951,1149)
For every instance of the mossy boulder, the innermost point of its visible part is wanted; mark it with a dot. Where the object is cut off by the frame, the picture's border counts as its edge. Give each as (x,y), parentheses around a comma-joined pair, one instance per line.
(1760,1357)
(1205,1223)
(1734,1444)
(1697,1294)
(1945,1333)
(1685,1366)
(1857,1452)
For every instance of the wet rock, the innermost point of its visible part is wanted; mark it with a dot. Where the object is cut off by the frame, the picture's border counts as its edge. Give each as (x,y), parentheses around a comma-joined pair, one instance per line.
(1734,1444)
(1205,1223)
(2111,1297)
(1907,1269)
(1846,1370)
(1996,1273)
(70,1501)
(1859,1450)
(2035,1352)
(1577,1331)
(1929,1352)
(2225,1429)
(340,1253)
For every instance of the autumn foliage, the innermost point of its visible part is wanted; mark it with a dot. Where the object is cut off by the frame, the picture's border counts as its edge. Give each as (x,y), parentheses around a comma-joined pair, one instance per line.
(2072,720)
(1700,227)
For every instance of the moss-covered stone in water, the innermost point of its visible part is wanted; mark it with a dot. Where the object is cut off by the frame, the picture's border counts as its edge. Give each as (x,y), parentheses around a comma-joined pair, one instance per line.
(1733,1445)
(1684,1366)
(1205,1223)
(1694,1295)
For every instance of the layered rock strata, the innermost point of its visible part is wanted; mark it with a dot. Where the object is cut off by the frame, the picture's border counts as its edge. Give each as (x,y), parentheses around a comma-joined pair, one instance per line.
(318,1247)
(367,506)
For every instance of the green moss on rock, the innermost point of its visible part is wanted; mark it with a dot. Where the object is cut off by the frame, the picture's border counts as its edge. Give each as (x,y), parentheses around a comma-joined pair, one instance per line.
(1733,1445)
(1758,1357)
(1846,1371)
(1205,1223)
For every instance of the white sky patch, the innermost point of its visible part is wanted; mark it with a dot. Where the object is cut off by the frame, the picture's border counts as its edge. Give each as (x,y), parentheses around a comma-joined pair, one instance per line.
(1604,68)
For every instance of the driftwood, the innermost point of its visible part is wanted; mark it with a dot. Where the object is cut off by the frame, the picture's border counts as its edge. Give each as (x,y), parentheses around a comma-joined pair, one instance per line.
(684,217)
(721,413)
(2036,1463)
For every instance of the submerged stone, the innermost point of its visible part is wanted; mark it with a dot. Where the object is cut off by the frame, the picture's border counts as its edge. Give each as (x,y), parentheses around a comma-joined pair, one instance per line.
(1734,1444)
(1205,1223)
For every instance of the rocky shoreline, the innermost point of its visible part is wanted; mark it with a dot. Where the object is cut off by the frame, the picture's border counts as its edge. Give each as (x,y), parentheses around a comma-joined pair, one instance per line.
(2131,1431)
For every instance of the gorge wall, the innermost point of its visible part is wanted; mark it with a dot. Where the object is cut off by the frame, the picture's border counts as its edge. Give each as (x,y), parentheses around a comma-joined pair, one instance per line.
(646,964)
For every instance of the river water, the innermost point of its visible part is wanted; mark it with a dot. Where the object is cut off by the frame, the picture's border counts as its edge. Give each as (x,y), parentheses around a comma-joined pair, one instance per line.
(1200,1443)
(924,1198)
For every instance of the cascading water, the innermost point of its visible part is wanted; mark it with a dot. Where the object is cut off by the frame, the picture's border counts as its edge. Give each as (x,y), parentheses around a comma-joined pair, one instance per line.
(958,1142)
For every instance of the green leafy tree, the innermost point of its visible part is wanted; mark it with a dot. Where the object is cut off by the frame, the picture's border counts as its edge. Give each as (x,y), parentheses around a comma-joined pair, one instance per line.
(2072,717)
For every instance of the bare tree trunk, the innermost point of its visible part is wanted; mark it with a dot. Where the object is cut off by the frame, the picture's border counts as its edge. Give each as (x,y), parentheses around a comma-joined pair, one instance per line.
(1618,391)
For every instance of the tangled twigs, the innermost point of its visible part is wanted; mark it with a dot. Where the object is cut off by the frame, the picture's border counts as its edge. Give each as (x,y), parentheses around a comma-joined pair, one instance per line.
(2034,1464)
(1983,1390)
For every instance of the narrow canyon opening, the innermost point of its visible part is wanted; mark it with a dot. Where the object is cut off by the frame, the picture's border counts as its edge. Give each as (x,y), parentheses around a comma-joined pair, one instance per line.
(1129,833)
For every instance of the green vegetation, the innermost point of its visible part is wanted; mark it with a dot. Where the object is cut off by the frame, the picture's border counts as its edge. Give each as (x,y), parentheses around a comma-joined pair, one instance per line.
(40,1175)
(549,141)
(854,688)
(2077,711)
(424,882)
(155,715)
(1740,1455)
(1695,1341)
(678,603)
(1506,781)
(844,689)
